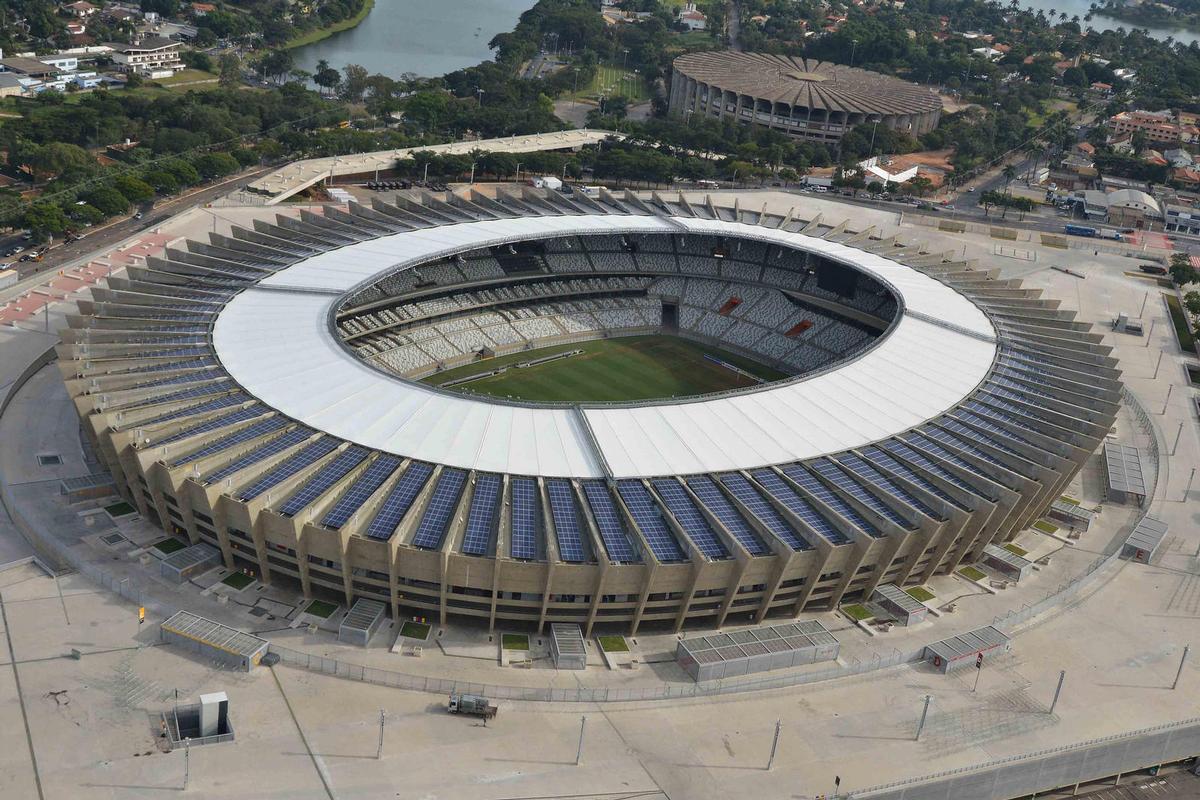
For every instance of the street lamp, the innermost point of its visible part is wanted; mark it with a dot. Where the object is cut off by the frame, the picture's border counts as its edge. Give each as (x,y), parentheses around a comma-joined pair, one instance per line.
(575,91)
(853,47)
(479,93)
(874,127)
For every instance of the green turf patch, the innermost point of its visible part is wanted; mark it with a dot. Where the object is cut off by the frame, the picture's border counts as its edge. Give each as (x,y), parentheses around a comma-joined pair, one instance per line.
(415,630)
(611,370)
(1179,319)
(238,580)
(1067,499)
(857,612)
(972,574)
(613,644)
(1016,549)
(319,608)
(121,509)
(514,641)
(920,594)
(1046,527)
(168,546)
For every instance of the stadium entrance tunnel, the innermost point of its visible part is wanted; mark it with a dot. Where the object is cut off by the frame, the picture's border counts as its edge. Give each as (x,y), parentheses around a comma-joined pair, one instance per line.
(616,318)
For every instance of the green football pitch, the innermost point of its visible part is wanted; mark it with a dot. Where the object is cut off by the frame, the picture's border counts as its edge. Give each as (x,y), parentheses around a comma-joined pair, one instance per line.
(611,370)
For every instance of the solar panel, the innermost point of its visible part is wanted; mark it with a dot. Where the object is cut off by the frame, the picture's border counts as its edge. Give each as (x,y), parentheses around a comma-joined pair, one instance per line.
(649,519)
(864,471)
(526,518)
(191,377)
(989,419)
(807,481)
(362,488)
(720,507)
(188,394)
(972,435)
(306,457)
(777,488)
(212,405)
(441,507)
(317,485)
(238,437)
(271,448)
(566,521)
(608,521)
(763,510)
(878,457)
(481,521)
(941,440)
(399,500)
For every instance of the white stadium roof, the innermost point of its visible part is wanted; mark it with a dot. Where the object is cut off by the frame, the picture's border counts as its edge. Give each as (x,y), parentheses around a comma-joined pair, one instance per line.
(276,340)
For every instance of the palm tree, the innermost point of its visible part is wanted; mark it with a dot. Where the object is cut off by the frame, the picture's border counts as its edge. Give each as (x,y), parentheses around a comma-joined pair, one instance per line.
(1009,172)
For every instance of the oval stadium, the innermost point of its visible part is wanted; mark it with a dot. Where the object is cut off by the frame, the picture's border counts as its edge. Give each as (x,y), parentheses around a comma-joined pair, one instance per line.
(540,408)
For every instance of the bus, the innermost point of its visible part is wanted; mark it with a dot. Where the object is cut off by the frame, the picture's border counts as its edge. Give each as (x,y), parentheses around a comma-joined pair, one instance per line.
(1080,230)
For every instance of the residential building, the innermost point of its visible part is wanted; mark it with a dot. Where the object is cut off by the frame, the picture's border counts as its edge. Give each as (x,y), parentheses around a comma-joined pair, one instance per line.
(692,18)
(81,9)
(10,85)
(153,57)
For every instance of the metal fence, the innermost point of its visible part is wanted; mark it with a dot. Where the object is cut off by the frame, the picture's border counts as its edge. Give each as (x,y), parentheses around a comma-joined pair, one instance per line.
(1045,770)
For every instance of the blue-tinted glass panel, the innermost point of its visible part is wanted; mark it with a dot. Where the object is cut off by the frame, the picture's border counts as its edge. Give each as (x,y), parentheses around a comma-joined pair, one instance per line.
(649,520)
(399,500)
(320,483)
(432,528)
(719,506)
(362,488)
(481,521)
(609,522)
(763,510)
(526,518)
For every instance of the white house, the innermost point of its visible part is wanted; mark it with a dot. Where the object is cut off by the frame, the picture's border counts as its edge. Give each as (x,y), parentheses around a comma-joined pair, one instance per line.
(692,18)
(154,57)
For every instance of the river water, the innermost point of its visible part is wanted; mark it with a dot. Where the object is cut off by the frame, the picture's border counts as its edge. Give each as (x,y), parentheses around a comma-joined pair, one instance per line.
(427,37)
(433,37)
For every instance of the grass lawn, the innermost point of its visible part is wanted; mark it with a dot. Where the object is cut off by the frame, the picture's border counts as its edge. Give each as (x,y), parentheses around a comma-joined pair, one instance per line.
(857,612)
(972,574)
(415,630)
(1016,549)
(337,27)
(920,594)
(1045,527)
(238,580)
(611,80)
(1070,500)
(613,644)
(609,370)
(1179,319)
(186,76)
(514,641)
(121,509)
(169,546)
(319,608)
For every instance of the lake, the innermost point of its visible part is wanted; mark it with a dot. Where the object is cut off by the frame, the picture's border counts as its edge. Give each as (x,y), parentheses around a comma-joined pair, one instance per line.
(1102,23)
(427,37)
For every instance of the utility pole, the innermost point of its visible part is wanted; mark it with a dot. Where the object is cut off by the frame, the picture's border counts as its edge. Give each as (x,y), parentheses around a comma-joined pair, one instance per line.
(1182,661)
(379,752)
(774,744)
(1058,690)
(579,751)
(924,714)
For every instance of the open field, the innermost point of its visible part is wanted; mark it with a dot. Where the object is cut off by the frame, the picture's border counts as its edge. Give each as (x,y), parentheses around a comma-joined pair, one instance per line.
(612,80)
(612,370)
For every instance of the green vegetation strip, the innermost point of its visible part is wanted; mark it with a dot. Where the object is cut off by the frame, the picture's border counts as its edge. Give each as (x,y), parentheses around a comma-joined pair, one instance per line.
(337,27)
(415,630)
(169,546)
(238,580)
(1045,527)
(611,370)
(1016,549)
(857,612)
(514,641)
(1179,319)
(121,509)
(319,608)
(920,593)
(970,573)
(613,644)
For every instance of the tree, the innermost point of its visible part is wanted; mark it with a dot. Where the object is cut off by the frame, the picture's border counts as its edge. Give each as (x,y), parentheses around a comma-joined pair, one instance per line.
(45,219)
(162,181)
(134,189)
(276,64)
(231,71)
(1182,271)
(326,77)
(58,157)
(108,201)
(1191,301)
(216,165)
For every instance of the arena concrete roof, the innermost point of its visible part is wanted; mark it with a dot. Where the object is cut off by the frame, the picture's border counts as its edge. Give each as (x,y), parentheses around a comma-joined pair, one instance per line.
(937,353)
(808,82)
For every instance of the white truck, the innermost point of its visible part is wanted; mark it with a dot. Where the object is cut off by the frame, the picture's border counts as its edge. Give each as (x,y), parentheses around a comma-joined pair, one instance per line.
(471,704)
(546,182)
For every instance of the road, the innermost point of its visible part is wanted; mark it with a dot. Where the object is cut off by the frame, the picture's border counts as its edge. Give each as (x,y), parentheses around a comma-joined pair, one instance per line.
(112,233)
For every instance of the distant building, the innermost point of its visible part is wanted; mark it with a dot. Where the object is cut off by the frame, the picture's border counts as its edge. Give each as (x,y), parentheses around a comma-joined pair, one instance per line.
(10,85)
(1156,126)
(1130,208)
(28,67)
(1182,219)
(81,9)
(692,18)
(153,57)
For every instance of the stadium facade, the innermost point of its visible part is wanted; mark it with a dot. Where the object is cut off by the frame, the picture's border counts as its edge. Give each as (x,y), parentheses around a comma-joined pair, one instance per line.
(809,99)
(254,392)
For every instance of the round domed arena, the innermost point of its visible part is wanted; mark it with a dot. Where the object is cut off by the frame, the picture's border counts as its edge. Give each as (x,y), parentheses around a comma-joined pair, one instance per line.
(815,100)
(539,407)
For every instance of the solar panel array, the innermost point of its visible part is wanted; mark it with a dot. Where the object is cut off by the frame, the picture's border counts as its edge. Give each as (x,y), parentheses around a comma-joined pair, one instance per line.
(921,443)
(719,506)
(362,488)
(881,459)
(320,483)
(399,500)
(763,510)
(238,437)
(432,528)
(526,519)
(262,453)
(567,529)
(609,522)
(806,511)
(867,473)
(227,401)
(241,415)
(305,458)
(649,520)
(807,481)
(691,519)
(947,435)
(481,519)
(846,481)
